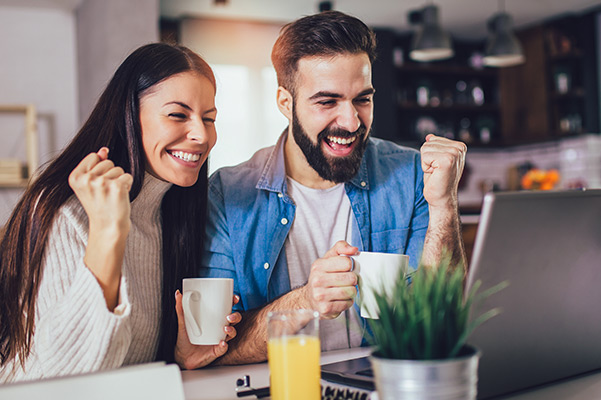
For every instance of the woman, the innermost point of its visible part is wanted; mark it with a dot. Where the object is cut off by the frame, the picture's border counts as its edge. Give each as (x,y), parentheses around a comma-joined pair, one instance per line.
(96,248)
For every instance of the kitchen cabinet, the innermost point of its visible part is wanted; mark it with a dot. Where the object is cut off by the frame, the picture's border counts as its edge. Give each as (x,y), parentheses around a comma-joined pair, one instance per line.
(571,74)
(454,101)
(554,94)
(457,98)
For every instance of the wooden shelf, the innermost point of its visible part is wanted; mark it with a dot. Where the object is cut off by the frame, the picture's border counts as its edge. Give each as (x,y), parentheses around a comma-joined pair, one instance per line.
(574,54)
(447,70)
(574,93)
(398,88)
(570,55)
(561,134)
(31,140)
(412,106)
(9,185)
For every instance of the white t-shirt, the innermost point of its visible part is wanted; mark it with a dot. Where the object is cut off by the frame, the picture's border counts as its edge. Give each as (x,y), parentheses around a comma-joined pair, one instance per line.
(323,217)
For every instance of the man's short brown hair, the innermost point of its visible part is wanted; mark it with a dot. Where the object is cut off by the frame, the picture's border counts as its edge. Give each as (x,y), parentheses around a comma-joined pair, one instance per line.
(325,34)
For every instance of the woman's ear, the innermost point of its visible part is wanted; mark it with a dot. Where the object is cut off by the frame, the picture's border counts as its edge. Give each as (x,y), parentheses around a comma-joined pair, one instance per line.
(285,103)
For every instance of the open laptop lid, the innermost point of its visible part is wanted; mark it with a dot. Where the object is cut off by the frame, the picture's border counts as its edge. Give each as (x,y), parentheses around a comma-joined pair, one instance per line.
(548,246)
(355,372)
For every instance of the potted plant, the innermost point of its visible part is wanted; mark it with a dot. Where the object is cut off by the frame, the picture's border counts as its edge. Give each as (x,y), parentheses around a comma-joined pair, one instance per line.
(419,339)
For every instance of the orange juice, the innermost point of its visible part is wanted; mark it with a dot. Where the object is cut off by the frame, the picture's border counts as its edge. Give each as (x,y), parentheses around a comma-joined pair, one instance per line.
(294,367)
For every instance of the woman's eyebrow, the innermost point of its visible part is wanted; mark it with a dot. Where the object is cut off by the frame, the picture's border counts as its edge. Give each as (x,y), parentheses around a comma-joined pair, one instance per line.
(179,103)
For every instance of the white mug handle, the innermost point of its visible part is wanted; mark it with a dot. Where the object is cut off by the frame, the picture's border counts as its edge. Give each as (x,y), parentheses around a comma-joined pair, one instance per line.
(188,316)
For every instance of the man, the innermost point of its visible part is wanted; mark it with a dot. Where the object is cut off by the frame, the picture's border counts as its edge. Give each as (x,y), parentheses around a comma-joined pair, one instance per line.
(324,183)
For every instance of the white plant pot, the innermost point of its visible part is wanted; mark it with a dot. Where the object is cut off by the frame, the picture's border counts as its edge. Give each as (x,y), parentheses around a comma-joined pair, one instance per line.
(452,379)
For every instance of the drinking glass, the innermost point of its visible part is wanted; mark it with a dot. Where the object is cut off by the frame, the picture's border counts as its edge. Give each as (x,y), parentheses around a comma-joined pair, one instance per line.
(293,352)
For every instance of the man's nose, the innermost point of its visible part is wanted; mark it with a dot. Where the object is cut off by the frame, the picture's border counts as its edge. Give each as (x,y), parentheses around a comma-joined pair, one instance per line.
(348,118)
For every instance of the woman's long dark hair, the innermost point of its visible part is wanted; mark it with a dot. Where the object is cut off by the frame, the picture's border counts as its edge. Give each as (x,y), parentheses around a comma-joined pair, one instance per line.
(114,123)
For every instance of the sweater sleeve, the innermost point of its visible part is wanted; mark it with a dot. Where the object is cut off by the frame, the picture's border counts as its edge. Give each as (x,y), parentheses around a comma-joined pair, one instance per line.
(75,332)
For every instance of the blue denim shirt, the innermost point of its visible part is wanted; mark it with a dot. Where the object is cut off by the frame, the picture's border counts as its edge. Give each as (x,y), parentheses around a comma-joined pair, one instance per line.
(250,215)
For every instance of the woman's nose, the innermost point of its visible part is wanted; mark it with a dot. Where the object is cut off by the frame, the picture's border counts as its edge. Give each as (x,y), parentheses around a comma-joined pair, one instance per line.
(198,132)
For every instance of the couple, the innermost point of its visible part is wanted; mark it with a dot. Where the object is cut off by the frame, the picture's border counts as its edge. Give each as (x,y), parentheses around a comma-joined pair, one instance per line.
(96,249)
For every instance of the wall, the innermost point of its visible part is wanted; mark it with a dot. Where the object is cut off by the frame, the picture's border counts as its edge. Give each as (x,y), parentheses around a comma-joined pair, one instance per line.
(578,160)
(107,31)
(240,54)
(60,59)
(37,65)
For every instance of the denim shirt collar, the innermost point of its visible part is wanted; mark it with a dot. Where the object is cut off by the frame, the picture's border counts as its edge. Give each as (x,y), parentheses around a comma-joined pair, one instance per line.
(273,176)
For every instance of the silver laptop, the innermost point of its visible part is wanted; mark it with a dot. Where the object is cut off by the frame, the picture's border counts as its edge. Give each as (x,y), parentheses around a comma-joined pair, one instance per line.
(548,246)
(152,381)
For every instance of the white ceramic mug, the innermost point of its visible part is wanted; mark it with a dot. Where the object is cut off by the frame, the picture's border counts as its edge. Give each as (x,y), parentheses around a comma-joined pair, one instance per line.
(207,302)
(377,272)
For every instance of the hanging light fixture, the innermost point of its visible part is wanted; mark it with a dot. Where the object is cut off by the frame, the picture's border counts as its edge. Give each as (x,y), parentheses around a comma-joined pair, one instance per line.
(324,6)
(430,42)
(503,48)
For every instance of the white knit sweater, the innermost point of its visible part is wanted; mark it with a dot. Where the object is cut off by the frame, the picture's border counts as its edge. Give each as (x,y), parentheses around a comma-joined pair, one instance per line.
(74,331)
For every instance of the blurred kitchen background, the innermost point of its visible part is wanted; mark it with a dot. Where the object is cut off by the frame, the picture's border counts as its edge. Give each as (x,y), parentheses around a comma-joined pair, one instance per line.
(530,124)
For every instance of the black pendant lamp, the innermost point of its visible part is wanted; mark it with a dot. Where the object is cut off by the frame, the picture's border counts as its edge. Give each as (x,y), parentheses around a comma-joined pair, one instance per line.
(503,48)
(430,42)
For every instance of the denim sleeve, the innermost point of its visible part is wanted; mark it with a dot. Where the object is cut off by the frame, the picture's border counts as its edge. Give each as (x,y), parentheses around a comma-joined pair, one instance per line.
(420,219)
(217,260)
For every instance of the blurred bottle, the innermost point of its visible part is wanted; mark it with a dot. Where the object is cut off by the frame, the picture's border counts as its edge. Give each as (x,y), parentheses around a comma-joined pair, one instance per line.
(476,93)
(434,100)
(447,98)
(563,79)
(465,134)
(461,95)
(423,95)
(485,128)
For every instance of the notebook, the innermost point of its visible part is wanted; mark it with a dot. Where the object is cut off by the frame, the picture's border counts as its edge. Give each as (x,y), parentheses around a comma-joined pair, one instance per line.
(548,246)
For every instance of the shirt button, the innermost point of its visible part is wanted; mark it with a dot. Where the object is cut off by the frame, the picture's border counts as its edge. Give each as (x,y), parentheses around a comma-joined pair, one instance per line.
(363,184)
(266,265)
(284,221)
(280,195)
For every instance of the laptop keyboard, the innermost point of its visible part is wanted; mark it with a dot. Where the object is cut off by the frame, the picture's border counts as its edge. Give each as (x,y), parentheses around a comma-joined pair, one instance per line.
(344,393)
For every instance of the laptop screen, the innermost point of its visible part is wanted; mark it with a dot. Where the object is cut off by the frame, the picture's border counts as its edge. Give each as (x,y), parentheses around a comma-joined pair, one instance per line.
(548,246)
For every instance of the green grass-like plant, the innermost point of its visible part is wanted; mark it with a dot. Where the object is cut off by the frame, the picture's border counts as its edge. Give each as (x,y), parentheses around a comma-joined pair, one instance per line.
(427,314)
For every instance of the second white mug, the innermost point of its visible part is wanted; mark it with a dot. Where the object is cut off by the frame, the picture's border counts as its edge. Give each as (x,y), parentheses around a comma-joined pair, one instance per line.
(207,302)
(377,272)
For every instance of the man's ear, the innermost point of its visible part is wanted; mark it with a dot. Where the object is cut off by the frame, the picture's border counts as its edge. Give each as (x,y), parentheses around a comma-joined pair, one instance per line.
(285,102)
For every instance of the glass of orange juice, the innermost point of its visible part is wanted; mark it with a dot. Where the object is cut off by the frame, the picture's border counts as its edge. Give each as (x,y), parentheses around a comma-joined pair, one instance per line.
(293,352)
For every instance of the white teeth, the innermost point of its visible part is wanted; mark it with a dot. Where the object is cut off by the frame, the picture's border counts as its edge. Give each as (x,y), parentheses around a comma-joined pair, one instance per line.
(186,156)
(341,140)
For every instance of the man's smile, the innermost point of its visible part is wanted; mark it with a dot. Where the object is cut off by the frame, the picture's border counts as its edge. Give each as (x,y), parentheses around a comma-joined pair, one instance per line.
(340,146)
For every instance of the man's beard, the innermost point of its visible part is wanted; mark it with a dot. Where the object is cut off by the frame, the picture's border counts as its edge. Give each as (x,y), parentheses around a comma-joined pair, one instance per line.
(339,169)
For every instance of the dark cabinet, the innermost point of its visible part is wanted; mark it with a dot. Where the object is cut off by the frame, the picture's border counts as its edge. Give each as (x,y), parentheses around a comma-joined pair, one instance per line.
(552,95)
(572,78)
(555,92)
(524,93)
(454,101)
(449,98)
